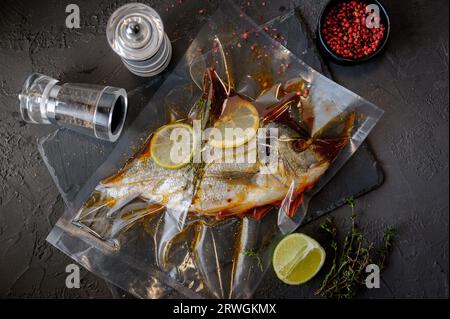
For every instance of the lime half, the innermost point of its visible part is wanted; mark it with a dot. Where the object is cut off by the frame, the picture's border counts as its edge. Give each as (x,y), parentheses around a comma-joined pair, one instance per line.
(297,258)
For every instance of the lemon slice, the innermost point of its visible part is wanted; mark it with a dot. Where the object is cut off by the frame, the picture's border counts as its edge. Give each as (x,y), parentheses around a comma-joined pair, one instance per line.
(237,125)
(171,146)
(297,258)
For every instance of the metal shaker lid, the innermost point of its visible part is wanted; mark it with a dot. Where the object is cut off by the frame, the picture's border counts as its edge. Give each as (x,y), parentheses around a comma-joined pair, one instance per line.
(135,31)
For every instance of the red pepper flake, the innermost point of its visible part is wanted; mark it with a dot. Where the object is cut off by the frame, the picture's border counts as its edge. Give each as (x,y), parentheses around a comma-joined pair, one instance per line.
(245,35)
(346,32)
(200,50)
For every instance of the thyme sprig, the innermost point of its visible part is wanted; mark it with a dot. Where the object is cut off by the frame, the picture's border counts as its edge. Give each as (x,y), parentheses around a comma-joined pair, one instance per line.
(201,110)
(252,253)
(347,272)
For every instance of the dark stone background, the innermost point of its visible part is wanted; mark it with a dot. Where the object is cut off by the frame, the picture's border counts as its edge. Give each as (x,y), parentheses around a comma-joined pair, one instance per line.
(410,82)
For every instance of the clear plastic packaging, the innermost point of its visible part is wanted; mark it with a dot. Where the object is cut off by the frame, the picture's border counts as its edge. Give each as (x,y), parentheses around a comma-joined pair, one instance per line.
(147,249)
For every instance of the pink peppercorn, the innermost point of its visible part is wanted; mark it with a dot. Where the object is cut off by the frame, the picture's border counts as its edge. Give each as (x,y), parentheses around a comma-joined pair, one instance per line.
(346,33)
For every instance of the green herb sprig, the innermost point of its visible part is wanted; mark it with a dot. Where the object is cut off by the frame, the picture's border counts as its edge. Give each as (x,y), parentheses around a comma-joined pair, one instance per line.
(347,272)
(252,253)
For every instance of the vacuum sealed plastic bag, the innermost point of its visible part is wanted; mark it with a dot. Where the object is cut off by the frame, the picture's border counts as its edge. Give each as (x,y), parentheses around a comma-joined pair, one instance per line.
(205,225)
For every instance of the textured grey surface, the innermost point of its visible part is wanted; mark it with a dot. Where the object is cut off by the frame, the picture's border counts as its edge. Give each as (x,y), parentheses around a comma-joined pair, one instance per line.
(410,82)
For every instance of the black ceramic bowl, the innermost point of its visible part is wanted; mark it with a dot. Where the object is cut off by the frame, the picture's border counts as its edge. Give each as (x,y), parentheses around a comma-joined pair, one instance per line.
(326,50)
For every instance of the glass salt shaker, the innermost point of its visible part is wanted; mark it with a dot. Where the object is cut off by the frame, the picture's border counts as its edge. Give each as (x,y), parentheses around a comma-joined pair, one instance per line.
(135,32)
